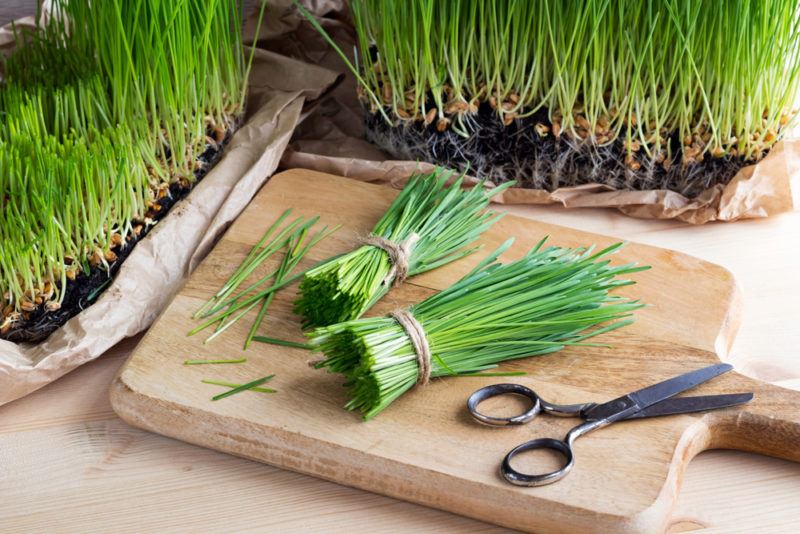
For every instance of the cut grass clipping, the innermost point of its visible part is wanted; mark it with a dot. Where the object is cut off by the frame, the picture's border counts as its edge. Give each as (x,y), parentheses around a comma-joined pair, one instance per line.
(105,114)
(428,225)
(551,298)
(638,95)
(238,388)
(230,303)
(234,385)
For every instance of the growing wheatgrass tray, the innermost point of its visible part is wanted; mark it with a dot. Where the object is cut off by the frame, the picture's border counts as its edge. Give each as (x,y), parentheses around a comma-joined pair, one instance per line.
(636,106)
(110,113)
(424,447)
(636,95)
(157,266)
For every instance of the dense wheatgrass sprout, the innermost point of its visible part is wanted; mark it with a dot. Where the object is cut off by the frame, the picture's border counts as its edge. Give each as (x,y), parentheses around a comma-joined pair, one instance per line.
(636,94)
(73,203)
(107,114)
(551,298)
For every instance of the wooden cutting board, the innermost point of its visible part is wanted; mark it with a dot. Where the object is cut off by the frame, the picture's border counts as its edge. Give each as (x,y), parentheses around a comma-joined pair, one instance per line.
(425,448)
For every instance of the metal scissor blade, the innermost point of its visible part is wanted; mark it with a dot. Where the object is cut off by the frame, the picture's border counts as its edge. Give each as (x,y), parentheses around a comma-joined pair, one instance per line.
(650,395)
(692,404)
(668,388)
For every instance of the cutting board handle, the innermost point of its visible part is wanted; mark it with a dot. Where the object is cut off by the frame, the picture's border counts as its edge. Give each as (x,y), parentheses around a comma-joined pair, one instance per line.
(769,424)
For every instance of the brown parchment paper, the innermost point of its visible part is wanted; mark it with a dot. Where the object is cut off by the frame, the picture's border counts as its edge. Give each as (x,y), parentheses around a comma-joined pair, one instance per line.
(159,264)
(332,140)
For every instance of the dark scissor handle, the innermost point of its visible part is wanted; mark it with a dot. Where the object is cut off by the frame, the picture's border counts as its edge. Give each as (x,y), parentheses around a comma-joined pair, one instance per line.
(563,447)
(524,479)
(537,405)
(504,389)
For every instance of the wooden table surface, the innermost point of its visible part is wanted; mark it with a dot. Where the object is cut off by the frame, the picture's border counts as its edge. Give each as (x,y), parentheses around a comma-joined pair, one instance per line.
(67,463)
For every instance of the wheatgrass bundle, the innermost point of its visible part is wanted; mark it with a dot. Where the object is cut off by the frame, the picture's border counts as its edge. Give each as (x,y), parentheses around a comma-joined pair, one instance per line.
(634,94)
(551,298)
(428,225)
(108,115)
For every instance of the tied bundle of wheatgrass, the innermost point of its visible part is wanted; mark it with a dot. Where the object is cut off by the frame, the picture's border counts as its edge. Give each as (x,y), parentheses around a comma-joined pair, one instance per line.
(428,225)
(551,298)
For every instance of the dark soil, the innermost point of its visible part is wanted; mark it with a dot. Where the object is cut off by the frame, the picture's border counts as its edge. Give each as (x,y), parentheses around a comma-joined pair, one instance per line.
(517,152)
(88,286)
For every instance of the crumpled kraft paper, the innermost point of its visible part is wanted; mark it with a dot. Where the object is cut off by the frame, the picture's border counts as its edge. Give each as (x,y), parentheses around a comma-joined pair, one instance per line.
(160,263)
(332,140)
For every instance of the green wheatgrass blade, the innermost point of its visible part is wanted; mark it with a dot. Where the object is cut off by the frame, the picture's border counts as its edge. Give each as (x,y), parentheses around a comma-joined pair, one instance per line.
(282,342)
(290,243)
(96,292)
(242,387)
(282,240)
(227,306)
(235,385)
(551,298)
(247,302)
(237,277)
(444,219)
(294,248)
(297,251)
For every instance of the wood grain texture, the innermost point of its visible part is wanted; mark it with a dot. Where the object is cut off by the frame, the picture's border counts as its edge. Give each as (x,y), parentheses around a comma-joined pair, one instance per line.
(443,459)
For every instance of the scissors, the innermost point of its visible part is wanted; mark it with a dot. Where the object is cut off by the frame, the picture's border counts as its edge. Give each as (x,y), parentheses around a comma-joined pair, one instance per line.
(652,401)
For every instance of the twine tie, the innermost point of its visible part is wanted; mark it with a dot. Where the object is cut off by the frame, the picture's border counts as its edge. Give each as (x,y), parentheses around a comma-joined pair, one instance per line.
(399,253)
(419,341)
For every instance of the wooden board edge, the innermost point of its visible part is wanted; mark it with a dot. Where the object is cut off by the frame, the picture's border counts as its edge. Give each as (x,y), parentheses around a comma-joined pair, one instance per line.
(733,319)
(695,439)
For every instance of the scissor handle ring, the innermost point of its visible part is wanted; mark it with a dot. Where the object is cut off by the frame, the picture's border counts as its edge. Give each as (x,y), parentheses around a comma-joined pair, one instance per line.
(504,389)
(524,479)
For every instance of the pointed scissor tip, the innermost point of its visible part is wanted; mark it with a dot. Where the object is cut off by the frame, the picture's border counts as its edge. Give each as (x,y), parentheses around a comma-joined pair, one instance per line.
(717,368)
